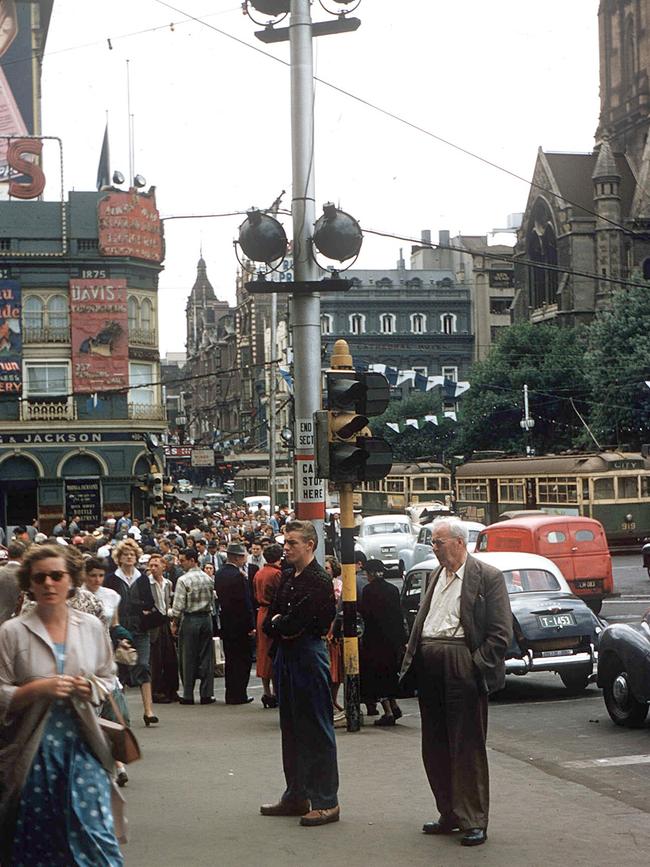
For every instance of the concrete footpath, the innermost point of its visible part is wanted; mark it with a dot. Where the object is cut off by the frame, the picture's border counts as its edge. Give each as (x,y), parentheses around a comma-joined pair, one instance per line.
(194,799)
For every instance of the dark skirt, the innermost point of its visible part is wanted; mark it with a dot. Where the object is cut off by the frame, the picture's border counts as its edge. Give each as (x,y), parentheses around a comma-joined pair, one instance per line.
(379,669)
(164,665)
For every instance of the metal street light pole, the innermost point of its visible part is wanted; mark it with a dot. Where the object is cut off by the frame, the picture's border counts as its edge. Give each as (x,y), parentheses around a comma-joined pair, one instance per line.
(273,382)
(309,490)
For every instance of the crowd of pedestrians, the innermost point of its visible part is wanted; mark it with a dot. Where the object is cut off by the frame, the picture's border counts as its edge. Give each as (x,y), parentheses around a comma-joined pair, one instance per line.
(88,613)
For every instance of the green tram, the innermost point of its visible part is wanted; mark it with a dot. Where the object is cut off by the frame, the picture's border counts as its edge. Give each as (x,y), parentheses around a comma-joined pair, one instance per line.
(406,485)
(612,487)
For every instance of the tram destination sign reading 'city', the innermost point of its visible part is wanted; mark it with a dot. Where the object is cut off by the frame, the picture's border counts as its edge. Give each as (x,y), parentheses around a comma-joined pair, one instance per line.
(11,380)
(100,346)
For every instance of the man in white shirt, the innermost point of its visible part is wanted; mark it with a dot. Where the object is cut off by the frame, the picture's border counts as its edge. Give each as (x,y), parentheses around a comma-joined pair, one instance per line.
(456,653)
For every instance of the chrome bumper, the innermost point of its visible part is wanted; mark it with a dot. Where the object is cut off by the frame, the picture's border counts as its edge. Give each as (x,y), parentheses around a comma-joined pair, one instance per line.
(529,662)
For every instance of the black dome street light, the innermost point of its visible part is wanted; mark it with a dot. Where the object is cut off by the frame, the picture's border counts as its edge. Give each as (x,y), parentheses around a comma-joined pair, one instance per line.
(262,238)
(337,235)
(275,9)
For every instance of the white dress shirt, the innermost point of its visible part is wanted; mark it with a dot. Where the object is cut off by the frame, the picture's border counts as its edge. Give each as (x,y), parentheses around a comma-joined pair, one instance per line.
(443,619)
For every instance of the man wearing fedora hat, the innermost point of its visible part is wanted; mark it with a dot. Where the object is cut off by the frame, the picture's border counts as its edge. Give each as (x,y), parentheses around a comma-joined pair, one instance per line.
(237,622)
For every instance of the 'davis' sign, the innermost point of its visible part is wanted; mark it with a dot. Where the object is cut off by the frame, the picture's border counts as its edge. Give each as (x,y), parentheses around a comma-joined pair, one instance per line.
(100,347)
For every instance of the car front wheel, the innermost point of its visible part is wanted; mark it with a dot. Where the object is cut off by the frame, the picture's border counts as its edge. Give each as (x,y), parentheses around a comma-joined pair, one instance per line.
(622,706)
(576,680)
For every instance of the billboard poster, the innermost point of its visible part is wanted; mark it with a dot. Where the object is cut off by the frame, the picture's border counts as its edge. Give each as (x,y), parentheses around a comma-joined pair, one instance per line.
(99,327)
(17,102)
(83,497)
(129,225)
(11,378)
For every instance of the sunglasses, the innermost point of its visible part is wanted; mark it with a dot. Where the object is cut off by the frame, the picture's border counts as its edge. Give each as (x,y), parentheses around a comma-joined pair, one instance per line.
(54,574)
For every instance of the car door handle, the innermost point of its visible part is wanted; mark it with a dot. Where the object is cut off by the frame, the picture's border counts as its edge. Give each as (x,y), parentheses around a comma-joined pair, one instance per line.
(574,549)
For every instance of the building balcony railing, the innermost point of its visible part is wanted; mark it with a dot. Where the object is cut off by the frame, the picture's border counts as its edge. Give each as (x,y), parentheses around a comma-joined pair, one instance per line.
(34,409)
(147,412)
(142,337)
(46,334)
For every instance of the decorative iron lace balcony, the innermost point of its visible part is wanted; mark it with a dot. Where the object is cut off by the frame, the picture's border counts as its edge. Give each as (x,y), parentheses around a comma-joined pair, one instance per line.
(46,334)
(142,337)
(147,412)
(48,410)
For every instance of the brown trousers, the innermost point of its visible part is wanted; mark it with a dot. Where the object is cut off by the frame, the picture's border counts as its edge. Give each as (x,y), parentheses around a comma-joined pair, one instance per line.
(453,710)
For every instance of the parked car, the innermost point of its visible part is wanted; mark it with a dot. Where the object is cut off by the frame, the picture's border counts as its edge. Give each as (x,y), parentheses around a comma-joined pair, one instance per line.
(577,545)
(258,501)
(624,671)
(422,549)
(383,537)
(554,630)
(184,486)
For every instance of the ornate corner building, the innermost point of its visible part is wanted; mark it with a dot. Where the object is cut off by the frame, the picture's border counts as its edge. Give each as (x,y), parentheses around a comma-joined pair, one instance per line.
(79,363)
(585,227)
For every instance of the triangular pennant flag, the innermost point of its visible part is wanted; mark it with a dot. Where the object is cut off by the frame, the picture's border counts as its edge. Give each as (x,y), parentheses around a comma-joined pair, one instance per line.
(391,375)
(393,426)
(412,422)
(461,388)
(377,368)
(404,376)
(451,414)
(433,381)
(420,381)
(431,419)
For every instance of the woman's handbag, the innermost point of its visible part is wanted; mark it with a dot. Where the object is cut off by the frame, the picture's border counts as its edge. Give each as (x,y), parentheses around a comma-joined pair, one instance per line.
(124,745)
(125,654)
(151,619)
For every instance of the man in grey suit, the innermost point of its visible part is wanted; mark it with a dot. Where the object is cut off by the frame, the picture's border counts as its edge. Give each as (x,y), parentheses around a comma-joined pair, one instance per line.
(455,657)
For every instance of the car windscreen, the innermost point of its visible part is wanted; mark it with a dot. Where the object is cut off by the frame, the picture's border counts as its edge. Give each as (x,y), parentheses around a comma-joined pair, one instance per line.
(388,527)
(530,580)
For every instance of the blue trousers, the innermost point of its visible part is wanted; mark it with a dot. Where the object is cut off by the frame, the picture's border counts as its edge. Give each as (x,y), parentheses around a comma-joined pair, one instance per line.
(302,675)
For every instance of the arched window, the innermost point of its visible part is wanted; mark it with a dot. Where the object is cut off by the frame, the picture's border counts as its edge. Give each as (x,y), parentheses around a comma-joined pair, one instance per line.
(357,323)
(146,315)
(57,313)
(133,313)
(448,323)
(33,315)
(418,323)
(325,324)
(387,323)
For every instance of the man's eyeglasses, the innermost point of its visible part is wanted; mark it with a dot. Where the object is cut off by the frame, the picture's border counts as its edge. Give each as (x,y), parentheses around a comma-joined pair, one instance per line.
(54,574)
(436,542)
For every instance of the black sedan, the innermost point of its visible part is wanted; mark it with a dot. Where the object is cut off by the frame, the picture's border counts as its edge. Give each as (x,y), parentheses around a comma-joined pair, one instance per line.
(624,671)
(553,629)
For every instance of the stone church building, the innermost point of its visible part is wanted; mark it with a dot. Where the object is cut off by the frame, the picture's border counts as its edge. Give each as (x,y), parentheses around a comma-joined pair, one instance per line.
(589,213)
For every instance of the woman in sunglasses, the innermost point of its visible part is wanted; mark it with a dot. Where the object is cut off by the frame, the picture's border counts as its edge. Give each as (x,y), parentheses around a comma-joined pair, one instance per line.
(56,799)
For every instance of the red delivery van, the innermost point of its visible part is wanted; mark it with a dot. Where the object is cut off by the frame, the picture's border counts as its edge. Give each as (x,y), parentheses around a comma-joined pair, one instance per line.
(576,545)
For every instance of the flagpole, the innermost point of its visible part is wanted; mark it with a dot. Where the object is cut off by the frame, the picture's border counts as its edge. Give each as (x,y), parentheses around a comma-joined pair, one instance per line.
(130,119)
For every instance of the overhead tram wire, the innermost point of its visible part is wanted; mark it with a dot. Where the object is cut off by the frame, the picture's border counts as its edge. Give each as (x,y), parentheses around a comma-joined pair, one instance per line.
(393,116)
(386,112)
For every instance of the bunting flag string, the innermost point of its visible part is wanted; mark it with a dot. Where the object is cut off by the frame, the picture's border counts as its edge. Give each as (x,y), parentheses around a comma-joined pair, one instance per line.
(395,377)
(413,378)
(419,423)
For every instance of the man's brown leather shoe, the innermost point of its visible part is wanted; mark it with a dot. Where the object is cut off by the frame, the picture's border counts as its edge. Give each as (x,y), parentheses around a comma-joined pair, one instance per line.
(321,817)
(285,808)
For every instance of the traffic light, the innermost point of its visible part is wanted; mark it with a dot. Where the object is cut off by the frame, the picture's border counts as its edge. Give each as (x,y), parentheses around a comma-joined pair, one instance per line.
(155,488)
(346,451)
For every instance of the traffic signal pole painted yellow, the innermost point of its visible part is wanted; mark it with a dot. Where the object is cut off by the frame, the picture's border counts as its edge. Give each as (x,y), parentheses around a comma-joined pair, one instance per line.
(342,360)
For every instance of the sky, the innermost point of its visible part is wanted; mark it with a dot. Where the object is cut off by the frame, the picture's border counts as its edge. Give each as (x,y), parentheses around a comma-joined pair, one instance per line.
(499,78)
